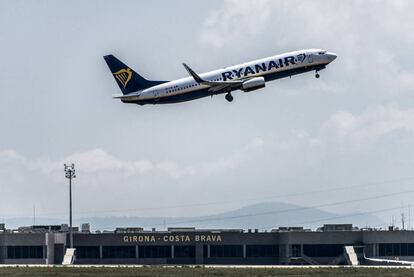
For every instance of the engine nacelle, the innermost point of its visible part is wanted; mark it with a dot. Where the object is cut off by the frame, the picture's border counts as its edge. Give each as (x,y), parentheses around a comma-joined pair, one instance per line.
(253,84)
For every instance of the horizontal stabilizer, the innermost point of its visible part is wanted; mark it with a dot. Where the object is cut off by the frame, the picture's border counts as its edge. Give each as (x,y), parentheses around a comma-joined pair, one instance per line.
(125,96)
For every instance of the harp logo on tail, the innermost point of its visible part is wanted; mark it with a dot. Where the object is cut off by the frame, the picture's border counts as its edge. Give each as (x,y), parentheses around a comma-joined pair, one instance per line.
(123,76)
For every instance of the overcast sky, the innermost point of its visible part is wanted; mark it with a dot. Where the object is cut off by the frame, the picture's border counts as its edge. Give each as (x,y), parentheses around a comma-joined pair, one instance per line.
(353,126)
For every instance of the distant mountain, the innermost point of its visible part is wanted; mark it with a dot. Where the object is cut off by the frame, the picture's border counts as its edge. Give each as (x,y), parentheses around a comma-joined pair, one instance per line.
(258,216)
(266,215)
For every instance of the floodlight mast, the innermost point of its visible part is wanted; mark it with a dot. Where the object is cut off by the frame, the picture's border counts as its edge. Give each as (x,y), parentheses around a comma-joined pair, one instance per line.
(70,173)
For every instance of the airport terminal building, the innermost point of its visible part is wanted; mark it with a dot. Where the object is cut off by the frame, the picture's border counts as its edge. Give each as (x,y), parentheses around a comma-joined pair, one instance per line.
(282,246)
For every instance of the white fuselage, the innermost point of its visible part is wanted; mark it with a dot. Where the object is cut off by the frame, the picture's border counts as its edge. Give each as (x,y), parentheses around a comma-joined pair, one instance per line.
(270,68)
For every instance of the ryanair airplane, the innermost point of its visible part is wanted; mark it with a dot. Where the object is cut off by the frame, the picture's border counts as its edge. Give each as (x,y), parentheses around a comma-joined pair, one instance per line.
(246,77)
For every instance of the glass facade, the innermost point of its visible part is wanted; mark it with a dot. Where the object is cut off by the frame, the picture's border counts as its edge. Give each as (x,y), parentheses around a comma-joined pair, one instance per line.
(262,251)
(226,251)
(296,250)
(323,250)
(396,249)
(25,252)
(87,252)
(118,252)
(184,251)
(160,251)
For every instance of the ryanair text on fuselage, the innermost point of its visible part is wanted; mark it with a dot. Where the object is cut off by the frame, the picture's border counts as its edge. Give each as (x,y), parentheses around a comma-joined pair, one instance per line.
(246,77)
(263,67)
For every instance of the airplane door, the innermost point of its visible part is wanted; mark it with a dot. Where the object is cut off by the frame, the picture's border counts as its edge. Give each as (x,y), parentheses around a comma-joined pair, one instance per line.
(310,58)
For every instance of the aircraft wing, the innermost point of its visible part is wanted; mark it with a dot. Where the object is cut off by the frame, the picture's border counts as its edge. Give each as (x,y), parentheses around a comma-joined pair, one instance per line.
(214,85)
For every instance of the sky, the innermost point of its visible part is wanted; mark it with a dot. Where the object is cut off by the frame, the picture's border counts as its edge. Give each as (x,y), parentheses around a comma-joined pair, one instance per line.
(353,127)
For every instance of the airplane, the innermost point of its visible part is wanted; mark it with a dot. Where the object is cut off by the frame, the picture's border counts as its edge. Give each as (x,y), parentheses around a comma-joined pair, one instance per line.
(247,77)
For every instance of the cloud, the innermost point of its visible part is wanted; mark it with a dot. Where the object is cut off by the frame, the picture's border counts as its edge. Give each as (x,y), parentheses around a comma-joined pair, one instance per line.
(175,171)
(363,37)
(98,161)
(106,180)
(94,161)
(12,155)
(234,20)
(367,126)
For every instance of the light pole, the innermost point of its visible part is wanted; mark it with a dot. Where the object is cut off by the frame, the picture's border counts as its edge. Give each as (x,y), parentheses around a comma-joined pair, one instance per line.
(70,173)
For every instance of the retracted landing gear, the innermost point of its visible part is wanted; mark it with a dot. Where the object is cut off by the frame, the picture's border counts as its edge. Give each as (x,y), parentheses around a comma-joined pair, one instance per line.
(229,97)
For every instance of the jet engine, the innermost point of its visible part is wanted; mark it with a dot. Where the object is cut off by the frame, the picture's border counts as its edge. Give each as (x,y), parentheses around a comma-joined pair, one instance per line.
(253,84)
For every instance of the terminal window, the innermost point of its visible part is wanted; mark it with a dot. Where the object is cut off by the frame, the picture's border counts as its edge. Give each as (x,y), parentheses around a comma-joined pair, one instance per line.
(161,251)
(323,250)
(118,252)
(226,251)
(184,251)
(264,251)
(396,249)
(87,252)
(296,250)
(25,252)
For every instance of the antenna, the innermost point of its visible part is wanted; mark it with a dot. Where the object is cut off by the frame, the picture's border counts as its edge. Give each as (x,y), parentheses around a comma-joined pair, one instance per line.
(34,215)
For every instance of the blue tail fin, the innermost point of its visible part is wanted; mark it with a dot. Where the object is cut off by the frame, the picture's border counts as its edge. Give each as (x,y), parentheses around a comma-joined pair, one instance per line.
(127,79)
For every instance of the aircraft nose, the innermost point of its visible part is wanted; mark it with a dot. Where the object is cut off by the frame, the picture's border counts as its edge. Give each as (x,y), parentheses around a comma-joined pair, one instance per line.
(331,56)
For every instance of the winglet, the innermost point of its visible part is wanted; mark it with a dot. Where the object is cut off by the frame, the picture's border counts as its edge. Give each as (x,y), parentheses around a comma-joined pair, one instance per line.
(193,74)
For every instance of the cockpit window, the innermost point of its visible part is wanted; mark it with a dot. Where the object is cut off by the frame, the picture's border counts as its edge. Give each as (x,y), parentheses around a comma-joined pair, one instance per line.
(322,53)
